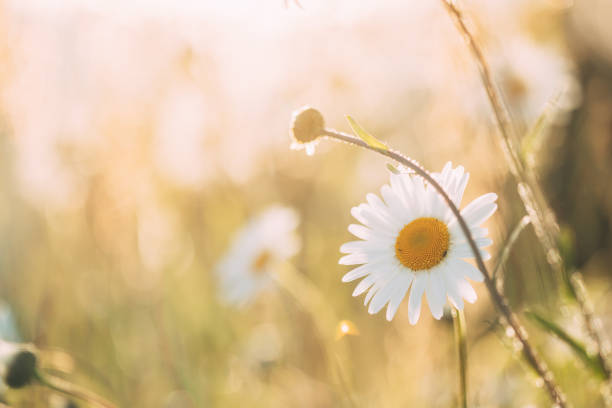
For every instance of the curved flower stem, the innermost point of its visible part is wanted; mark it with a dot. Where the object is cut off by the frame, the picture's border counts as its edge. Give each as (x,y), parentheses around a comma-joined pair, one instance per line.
(460,339)
(66,388)
(529,190)
(500,302)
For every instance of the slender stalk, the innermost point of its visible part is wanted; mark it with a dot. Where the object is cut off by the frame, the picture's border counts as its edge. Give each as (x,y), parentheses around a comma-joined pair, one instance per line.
(66,388)
(501,113)
(538,209)
(591,322)
(505,252)
(500,302)
(460,340)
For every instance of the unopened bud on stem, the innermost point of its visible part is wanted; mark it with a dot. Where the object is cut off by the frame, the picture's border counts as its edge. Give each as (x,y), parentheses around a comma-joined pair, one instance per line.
(307,125)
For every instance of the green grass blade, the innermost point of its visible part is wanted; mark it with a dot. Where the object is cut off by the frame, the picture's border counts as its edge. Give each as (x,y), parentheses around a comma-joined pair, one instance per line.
(461,342)
(365,136)
(535,136)
(577,347)
(504,252)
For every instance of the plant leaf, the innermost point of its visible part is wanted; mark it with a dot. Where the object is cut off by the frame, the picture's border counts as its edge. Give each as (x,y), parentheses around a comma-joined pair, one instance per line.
(504,252)
(365,136)
(392,168)
(577,347)
(536,135)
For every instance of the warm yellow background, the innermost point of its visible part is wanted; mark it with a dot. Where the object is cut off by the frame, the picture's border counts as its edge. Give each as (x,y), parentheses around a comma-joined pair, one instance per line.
(135,139)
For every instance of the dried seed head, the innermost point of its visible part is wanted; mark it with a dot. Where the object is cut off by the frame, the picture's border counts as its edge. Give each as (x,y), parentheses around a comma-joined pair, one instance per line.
(307,125)
(21,371)
(17,364)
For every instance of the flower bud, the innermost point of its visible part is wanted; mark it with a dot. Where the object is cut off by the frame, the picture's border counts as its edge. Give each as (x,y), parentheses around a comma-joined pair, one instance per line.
(17,364)
(307,126)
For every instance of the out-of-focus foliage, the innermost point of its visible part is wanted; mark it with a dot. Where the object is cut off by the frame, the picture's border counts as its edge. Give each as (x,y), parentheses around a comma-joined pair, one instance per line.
(137,138)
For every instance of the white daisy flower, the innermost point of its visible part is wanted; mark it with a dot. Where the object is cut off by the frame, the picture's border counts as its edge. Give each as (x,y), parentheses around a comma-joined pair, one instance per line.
(412,241)
(257,249)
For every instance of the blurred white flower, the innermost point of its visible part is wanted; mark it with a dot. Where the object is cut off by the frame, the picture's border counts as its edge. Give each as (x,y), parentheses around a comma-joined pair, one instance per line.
(413,240)
(531,76)
(257,249)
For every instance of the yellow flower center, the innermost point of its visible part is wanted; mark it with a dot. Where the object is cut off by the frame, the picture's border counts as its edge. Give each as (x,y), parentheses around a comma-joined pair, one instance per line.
(516,87)
(422,244)
(261,261)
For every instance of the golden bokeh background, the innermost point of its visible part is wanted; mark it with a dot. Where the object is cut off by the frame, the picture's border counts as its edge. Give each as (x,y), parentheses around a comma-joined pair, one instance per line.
(137,137)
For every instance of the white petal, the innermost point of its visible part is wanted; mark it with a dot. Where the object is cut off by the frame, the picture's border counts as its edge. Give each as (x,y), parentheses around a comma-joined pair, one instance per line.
(383,295)
(357,273)
(462,184)
(356,213)
(436,294)
(416,294)
(483,242)
(479,210)
(371,246)
(364,284)
(378,285)
(352,246)
(381,274)
(359,231)
(466,291)
(354,259)
(397,297)
(375,220)
(310,149)
(396,207)
(464,250)
(446,171)
(457,233)
(480,215)
(465,269)
(398,187)
(437,206)
(378,206)
(452,290)
(456,184)
(479,232)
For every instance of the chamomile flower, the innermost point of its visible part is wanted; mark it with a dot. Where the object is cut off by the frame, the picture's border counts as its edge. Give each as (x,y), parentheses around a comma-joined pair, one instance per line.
(412,242)
(257,249)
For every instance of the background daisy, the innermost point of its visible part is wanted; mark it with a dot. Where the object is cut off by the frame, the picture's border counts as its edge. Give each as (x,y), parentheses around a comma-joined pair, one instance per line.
(262,244)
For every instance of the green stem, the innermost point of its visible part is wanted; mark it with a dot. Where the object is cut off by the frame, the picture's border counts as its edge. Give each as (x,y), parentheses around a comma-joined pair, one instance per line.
(66,388)
(460,340)
(505,252)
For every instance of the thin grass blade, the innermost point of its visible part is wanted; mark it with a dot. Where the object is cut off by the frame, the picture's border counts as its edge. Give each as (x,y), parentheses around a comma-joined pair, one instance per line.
(364,135)
(577,347)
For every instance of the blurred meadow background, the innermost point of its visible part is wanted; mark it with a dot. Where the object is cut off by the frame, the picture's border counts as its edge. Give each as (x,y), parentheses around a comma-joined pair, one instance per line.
(138,138)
